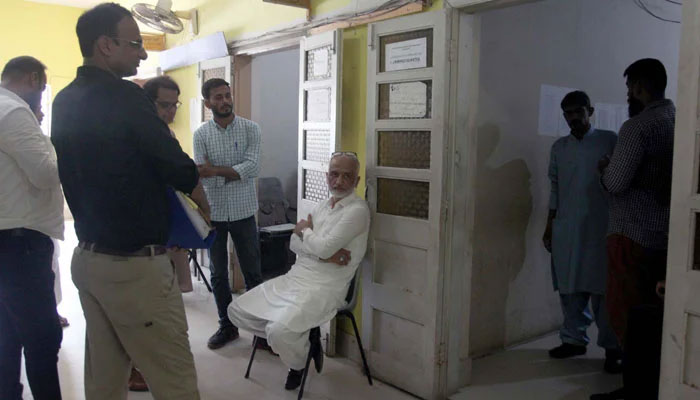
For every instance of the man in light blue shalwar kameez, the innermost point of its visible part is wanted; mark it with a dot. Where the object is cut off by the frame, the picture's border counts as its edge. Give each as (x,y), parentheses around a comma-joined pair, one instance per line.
(576,231)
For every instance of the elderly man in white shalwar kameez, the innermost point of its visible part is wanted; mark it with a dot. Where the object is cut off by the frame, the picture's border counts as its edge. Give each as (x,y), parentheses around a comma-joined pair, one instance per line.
(329,246)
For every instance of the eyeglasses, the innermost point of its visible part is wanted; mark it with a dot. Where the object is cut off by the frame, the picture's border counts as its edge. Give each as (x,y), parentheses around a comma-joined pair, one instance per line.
(165,105)
(351,154)
(135,44)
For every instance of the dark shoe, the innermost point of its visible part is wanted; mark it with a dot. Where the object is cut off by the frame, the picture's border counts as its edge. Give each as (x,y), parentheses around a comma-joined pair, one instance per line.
(316,349)
(293,379)
(618,394)
(261,344)
(136,382)
(567,350)
(222,336)
(613,361)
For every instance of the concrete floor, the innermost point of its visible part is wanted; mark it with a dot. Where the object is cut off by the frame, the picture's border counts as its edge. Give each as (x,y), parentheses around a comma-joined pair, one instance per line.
(526,372)
(523,372)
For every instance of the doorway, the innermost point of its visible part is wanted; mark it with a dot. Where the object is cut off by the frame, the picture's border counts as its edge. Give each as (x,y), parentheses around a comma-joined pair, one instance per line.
(518,62)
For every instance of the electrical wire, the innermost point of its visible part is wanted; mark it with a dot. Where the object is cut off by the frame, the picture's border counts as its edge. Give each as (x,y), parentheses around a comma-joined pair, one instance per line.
(675,2)
(382,9)
(643,6)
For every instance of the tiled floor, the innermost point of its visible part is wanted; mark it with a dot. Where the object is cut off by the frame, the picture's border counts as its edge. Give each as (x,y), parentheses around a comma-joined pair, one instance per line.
(524,372)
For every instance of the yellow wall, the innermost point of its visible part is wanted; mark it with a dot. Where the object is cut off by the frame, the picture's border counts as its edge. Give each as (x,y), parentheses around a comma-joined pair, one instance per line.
(44,31)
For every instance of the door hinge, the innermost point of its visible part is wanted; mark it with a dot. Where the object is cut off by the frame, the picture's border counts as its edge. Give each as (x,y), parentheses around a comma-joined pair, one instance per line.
(452,52)
(441,358)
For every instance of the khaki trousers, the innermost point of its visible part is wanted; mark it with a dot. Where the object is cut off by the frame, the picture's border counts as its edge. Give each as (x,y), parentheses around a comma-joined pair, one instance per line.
(133,313)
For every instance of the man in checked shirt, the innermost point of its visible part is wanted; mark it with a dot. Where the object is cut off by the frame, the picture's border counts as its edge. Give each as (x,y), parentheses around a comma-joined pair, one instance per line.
(227,152)
(638,177)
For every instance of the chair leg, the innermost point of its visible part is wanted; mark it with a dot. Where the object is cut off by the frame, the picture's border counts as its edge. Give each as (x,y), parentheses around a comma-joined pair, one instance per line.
(306,373)
(198,269)
(252,356)
(359,344)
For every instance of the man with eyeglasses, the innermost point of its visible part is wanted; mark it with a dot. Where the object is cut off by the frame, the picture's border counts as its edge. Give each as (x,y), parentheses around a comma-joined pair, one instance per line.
(116,158)
(329,243)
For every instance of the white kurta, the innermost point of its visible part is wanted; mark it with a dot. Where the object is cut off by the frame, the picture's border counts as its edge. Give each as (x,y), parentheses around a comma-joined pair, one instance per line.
(312,291)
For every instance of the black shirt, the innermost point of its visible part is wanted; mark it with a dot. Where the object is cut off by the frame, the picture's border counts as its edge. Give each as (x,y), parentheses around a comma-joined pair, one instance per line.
(115,160)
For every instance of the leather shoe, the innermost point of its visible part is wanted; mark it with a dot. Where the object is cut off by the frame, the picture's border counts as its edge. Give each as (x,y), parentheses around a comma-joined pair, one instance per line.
(618,394)
(136,382)
(613,361)
(316,349)
(293,379)
(261,344)
(222,336)
(567,350)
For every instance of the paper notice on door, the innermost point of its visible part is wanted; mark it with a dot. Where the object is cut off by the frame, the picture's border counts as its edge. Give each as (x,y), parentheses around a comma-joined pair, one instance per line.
(610,116)
(551,117)
(320,62)
(408,54)
(408,100)
(318,105)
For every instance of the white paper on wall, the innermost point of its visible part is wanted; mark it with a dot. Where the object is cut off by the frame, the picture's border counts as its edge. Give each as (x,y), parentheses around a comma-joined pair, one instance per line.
(408,100)
(610,116)
(408,54)
(551,117)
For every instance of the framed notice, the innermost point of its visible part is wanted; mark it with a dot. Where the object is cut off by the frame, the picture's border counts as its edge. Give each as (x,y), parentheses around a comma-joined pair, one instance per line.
(408,54)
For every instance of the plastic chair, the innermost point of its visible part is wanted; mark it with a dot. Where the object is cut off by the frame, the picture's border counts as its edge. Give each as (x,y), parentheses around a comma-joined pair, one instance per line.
(350,302)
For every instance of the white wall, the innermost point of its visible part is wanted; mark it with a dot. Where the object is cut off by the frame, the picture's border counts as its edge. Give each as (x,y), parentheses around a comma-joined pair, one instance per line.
(275,106)
(584,44)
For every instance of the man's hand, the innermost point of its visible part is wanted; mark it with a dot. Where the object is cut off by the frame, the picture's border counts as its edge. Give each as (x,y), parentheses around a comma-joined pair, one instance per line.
(547,238)
(661,289)
(206,170)
(341,257)
(303,224)
(603,163)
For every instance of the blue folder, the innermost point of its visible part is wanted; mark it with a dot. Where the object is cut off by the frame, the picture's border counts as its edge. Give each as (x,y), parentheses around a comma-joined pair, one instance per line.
(182,232)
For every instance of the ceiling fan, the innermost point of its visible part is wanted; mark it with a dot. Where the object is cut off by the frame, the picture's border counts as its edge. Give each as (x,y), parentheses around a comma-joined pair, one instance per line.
(162,18)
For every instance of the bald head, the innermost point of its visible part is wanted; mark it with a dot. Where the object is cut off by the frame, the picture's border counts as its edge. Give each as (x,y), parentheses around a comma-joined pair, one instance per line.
(343,175)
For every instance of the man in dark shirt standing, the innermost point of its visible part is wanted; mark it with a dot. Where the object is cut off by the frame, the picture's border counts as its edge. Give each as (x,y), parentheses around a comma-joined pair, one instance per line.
(638,177)
(115,159)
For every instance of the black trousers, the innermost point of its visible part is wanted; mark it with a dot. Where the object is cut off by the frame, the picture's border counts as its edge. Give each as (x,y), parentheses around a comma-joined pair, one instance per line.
(28,317)
(244,234)
(642,357)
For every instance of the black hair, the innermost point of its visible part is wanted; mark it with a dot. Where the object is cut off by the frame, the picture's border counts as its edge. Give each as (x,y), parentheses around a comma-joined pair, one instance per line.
(212,83)
(152,85)
(22,66)
(650,73)
(575,98)
(99,21)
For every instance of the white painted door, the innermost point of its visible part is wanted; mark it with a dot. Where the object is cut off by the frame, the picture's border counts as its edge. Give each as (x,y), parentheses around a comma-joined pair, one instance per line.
(406,124)
(680,365)
(319,126)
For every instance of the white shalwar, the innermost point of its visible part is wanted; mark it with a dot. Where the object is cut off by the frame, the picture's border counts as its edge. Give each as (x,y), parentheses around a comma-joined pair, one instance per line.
(285,308)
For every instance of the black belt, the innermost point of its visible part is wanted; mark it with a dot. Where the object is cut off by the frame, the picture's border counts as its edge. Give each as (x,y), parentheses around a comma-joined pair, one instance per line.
(146,251)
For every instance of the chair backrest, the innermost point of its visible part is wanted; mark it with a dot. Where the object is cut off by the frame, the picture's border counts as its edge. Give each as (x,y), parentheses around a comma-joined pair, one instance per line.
(351,297)
(272,205)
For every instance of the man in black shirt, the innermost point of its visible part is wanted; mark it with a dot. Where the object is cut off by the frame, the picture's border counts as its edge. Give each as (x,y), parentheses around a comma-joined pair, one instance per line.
(115,158)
